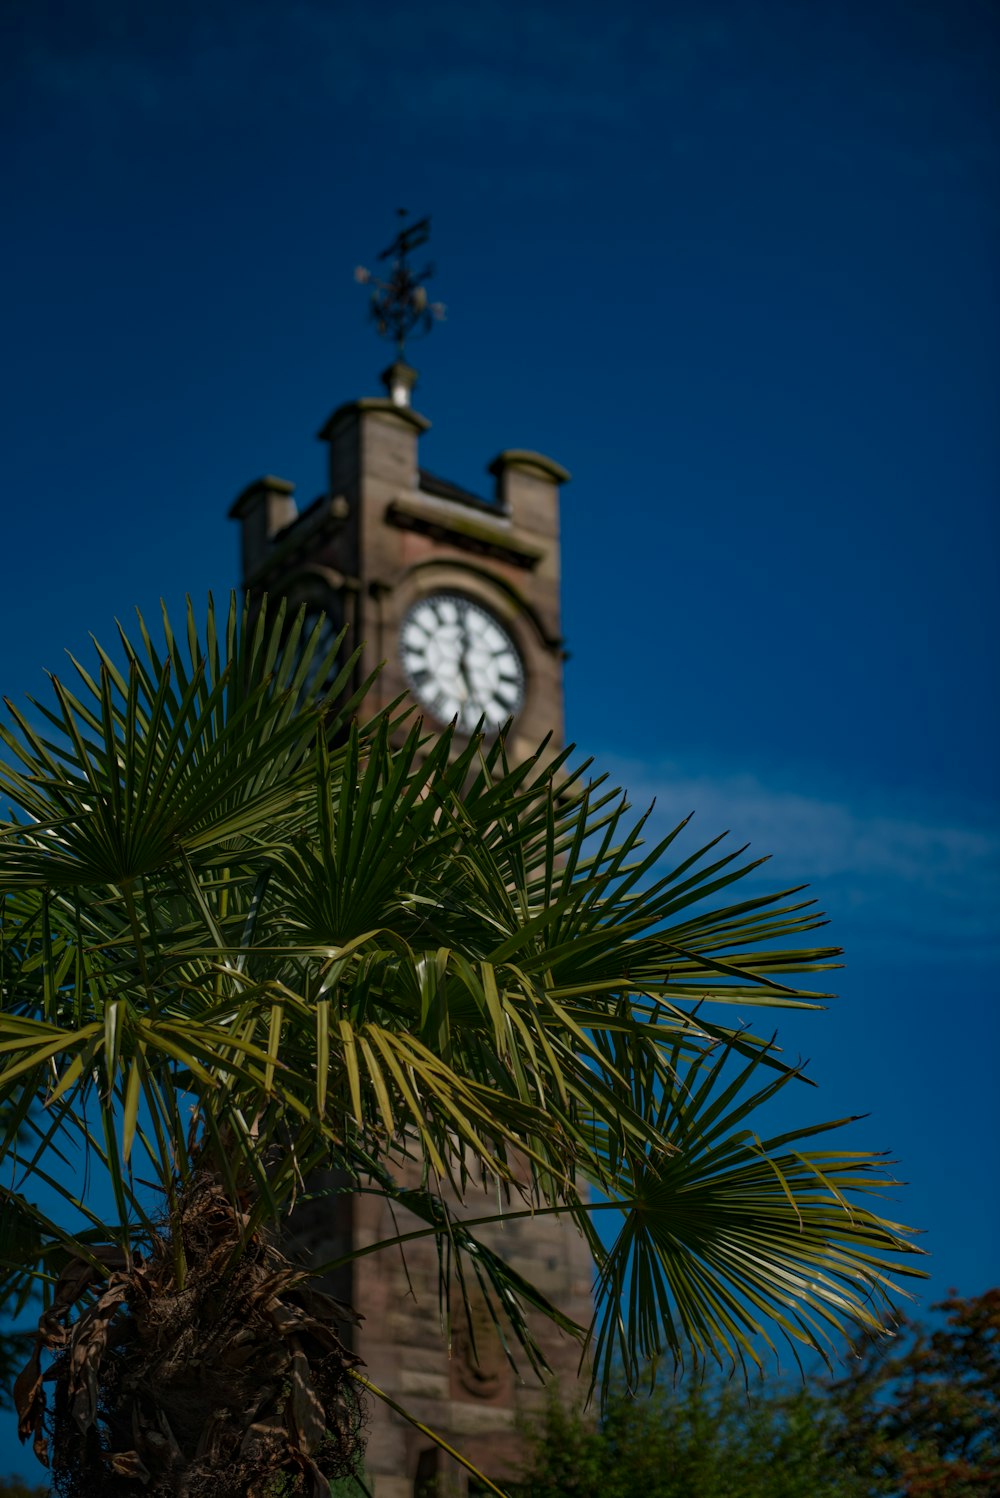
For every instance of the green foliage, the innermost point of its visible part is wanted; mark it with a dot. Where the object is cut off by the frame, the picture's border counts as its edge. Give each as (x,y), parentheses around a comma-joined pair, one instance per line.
(714,1439)
(914,1418)
(921,1415)
(18,1487)
(245,933)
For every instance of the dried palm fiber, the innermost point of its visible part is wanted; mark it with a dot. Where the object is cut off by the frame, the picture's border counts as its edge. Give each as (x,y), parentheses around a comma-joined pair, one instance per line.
(235,1384)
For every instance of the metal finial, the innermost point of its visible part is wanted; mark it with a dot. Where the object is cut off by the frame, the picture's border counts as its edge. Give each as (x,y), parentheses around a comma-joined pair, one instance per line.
(399,306)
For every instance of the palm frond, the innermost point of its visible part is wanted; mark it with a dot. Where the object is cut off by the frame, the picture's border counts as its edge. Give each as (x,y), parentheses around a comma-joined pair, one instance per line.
(730,1237)
(243,931)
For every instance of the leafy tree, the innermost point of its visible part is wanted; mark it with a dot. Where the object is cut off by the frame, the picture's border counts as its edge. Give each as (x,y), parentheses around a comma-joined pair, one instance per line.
(915,1418)
(922,1418)
(16,1487)
(243,937)
(703,1439)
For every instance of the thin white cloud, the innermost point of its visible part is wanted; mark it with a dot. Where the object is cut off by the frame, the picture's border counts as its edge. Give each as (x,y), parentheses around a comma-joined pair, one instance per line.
(901,876)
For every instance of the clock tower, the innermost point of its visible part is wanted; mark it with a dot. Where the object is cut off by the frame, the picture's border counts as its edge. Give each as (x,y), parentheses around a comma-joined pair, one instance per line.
(458,595)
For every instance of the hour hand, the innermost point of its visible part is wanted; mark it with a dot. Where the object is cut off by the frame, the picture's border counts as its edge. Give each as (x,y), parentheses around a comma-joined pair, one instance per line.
(461,670)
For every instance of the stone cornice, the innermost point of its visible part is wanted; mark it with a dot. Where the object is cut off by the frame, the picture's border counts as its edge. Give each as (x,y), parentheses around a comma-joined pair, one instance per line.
(464,527)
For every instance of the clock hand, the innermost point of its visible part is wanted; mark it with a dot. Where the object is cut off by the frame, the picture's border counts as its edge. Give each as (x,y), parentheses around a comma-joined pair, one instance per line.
(463,656)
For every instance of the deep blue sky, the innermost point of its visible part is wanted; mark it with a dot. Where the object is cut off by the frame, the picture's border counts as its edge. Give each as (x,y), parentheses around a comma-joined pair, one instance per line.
(734,264)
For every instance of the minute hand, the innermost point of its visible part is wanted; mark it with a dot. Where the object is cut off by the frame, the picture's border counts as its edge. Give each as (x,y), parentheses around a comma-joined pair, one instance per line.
(463,668)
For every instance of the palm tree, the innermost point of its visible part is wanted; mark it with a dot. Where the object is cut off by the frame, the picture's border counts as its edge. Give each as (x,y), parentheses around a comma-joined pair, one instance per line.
(243,938)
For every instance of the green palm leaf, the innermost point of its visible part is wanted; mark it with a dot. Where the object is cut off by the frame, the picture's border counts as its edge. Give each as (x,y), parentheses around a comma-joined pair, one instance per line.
(243,932)
(731,1232)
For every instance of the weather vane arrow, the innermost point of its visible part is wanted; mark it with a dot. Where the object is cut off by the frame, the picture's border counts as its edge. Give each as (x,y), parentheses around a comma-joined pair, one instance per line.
(399,305)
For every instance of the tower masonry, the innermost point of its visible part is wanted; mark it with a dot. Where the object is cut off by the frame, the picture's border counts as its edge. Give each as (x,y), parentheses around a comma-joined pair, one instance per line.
(456,595)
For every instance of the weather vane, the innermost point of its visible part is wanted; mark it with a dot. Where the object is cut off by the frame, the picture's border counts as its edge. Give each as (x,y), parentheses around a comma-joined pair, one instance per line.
(399,305)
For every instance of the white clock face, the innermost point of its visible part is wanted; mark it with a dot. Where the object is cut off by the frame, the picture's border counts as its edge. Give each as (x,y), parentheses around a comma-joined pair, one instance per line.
(460,661)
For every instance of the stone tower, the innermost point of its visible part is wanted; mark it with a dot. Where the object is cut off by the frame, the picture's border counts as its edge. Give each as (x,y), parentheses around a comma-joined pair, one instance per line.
(459,595)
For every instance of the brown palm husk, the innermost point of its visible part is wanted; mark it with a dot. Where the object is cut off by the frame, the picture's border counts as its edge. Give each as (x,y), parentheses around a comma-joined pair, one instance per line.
(234,1385)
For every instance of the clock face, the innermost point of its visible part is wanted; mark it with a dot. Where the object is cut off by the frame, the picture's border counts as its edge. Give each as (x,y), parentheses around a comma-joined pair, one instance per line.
(460,661)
